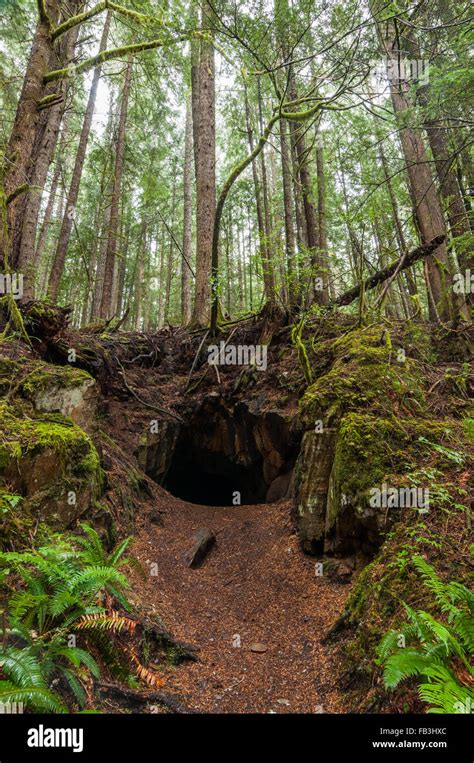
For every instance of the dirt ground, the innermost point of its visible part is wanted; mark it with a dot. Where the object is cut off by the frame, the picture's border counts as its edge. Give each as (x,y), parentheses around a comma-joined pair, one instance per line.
(255,610)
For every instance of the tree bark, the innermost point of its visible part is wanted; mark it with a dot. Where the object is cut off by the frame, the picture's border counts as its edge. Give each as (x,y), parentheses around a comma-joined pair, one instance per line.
(262,237)
(43,234)
(288,216)
(266,209)
(46,138)
(322,224)
(18,157)
(428,212)
(187,217)
(205,176)
(67,223)
(106,301)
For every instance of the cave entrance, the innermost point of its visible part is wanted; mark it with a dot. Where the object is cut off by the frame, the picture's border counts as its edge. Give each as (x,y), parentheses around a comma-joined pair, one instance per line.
(199,475)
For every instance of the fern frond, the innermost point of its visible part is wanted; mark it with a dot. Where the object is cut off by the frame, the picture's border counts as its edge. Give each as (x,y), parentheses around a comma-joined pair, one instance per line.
(35,697)
(111,622)
(402,665)
(21,666)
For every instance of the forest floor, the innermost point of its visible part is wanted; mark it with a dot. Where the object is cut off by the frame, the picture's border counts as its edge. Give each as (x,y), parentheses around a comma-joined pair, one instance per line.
(256,588)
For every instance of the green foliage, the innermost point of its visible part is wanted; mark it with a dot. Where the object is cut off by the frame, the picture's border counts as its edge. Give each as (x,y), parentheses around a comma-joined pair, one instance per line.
(51,589)
(302,354)
(448,453)
(438,654)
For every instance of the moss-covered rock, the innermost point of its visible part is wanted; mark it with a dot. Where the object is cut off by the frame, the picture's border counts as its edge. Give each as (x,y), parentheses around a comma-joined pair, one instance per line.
(374,431)
(52,389)
(65,390)
(364,373)
(51,462)
(375,475)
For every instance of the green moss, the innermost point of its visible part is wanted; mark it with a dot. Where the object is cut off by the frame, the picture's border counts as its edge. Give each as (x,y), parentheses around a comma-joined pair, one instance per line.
(21,436)
(469,429)
(44,376)
(370,449)
(364,374)
(89,464)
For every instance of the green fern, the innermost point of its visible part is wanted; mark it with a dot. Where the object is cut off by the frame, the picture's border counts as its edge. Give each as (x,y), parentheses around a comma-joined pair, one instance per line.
(36,697)
(436,648)
(60,583)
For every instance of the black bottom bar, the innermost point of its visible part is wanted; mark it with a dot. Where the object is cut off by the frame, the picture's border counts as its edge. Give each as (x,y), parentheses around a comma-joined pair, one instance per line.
(153,737)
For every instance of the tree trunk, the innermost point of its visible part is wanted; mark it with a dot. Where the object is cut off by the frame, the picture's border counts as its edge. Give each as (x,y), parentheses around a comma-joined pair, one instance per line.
(288,216)
(205,176)
(106,301)
(169,267)
(67,223)
(322,225)
(22,138)
(140,273)
(428,212)
(46,138)
(187,218)
(43,234)
(263,241)
(266,209)
(161,299)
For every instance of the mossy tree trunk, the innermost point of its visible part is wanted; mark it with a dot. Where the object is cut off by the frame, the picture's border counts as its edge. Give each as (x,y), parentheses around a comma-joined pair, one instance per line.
(427,207)
(18,155)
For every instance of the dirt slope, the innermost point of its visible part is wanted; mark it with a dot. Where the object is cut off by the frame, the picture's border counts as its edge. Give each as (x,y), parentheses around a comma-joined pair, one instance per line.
(255,587)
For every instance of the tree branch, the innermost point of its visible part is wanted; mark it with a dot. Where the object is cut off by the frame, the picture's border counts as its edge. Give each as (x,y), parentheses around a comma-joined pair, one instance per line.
(70,23)
(382,275)
(108,55)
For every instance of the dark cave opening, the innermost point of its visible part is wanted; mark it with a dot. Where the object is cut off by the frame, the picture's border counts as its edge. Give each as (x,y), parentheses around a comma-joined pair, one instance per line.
(198,475)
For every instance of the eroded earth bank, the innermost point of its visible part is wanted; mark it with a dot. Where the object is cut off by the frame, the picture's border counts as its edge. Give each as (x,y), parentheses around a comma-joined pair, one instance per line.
(270,476)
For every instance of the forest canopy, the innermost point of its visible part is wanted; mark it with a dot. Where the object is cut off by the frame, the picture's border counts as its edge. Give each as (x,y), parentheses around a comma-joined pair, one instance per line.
(157,157)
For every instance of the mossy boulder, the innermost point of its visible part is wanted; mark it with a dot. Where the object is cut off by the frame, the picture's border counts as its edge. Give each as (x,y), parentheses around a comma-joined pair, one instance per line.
(66,390)
(52,389)
(370,427)
(365,372)
(375,475)
(50,462)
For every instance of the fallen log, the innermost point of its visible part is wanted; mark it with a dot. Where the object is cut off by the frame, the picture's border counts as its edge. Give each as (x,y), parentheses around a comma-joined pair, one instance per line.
(169,701)
(382,275)
(203,542)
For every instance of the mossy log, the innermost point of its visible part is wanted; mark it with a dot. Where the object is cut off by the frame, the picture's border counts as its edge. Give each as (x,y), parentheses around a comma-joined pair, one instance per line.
(382,275)
(44,321)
